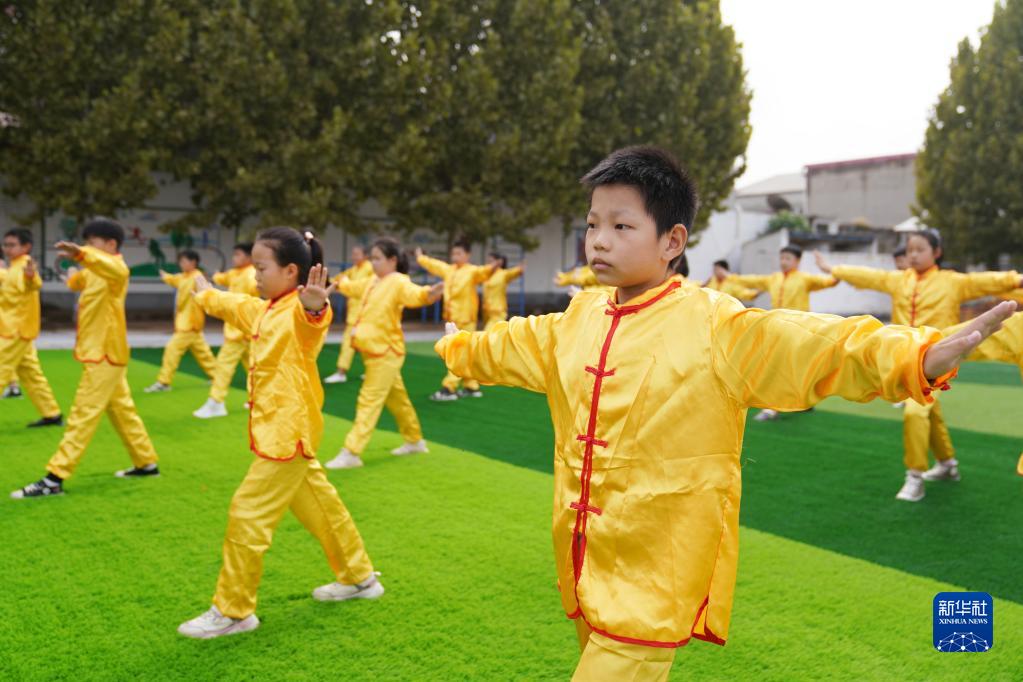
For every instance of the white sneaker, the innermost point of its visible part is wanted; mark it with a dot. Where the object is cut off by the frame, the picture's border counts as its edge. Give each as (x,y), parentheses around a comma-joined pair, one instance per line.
(210,410)
(344,460)
(943,471)
(766,416)
(913,489)
(336,378)
(411,448)
(899,406)
(370,588)
(215,624)
(157,388)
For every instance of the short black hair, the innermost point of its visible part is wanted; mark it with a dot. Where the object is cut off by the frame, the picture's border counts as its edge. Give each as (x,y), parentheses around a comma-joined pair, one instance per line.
(667,190)
(104,228)
(463,244)
(291,246)
(497,256)
(899,252)
(23,236)
(722,264)
(793,249)
(245,247)
(190,254)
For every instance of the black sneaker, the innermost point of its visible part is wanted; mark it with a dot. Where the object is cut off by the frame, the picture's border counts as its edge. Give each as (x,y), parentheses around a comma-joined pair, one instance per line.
(48,421)
(135,472)
(41,488)
(12,392)
(444,395)
(466,393)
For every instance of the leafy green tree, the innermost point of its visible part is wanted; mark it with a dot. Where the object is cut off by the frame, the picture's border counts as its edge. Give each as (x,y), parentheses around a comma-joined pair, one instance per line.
(787,220)
(80,133)
(667,73)
(969,168)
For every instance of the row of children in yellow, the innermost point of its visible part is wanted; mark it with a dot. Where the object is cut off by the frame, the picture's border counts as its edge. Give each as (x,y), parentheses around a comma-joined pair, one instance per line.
(645,530)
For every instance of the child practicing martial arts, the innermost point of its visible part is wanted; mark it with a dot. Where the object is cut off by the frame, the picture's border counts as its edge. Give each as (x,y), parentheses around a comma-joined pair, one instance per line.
(360,269)
(102,347)
(287,327)
(189,322)
(648,393)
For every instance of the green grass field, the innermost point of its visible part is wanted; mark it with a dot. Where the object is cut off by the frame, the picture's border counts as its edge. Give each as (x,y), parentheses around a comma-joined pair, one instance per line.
(835,579)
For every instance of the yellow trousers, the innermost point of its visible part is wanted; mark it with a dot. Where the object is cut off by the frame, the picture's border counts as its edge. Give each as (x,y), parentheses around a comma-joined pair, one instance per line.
(270,488)
(347,354)
(607,660)
(103,388)
(18,358)
(923,429)
(451,381)
(179,343)
(383,386)
(231,353)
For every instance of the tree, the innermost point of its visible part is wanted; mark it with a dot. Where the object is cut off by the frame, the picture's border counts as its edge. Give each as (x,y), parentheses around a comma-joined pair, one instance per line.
(81,138)
(787,220)
(499,111)
(969,168)
(664,73)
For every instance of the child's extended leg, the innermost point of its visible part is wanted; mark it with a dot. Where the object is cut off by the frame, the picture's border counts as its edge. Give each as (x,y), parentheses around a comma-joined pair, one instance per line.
(203,354)
(128,424)
(400,406)
(380,376)
(172,353)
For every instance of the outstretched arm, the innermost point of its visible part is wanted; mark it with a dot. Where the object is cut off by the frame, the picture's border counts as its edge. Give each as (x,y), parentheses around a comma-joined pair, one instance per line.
(237,310)
(103,264)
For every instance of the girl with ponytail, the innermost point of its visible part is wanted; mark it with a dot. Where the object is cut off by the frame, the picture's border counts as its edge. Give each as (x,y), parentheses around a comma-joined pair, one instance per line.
(287,327)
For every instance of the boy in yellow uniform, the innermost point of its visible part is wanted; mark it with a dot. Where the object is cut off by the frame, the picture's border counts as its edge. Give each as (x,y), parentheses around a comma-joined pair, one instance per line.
(645,523)
(240,279)
(189,320)
(724,281)
(12,389)
(789,289)
(361,269)
(461,306)
(495,289)
(102,348)
(19,327)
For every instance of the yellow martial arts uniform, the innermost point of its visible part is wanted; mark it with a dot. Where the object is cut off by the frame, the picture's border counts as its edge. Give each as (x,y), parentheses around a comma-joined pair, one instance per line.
(581,276)
(461,303)
(189,321)
(19,327)
(236,341)
(377,335)
(285,426)
(648,401)
(495,295)
(356,273)
(788,290)
(102,348)
(932,298)
(729,286)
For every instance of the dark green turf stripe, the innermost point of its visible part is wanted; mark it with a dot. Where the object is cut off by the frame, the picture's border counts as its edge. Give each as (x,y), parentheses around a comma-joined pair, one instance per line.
(825,479)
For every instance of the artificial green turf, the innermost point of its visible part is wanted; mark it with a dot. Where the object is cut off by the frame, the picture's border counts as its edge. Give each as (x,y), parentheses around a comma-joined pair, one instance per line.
(95,582)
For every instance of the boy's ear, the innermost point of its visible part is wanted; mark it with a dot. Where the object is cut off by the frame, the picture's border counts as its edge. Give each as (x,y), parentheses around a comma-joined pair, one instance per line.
(678,237)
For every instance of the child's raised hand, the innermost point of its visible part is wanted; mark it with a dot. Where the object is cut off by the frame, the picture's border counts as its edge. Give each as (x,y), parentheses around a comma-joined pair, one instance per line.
(450,328)
(71,272)
(317,289)
(68,249)
(822,263)
(30,269)
(573,290)
(200,285)
(436,291)
(946,355)
(419,253)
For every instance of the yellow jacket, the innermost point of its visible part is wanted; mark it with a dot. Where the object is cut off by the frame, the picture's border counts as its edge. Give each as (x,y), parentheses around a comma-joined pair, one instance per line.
(362,271)
(461,302)
(648,402)
(377,331)
(102,329)
(495,291)
(788,290)
(284,384)
(188,315)
(932,298)
(19,302)
(237,281)
(581,276)
(729,286)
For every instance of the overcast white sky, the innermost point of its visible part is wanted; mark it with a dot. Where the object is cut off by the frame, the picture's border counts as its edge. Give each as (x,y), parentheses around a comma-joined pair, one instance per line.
(837,79)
